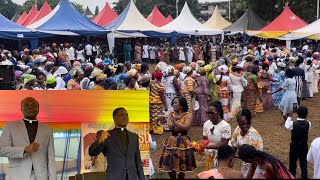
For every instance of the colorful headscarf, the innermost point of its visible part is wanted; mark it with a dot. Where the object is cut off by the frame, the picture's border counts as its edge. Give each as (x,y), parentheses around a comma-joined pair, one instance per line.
(201,70)
(17,74)
(132,72)
(208,68)
(254,68)
(76,63)
(167,70)
(201,63)
(187,70)
(224,69)
(26,78)
(51,80)
(101,77)
(178,66)
(157,75)
(193,65)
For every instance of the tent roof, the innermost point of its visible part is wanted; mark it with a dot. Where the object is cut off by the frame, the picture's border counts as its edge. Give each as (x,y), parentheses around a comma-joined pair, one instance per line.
(286,21)
(15,17)
(22,17)
(87,13)
(105,16)
(311,31)
(45,10)
(248,21)
(188,24)
(169,18)
(157,18)
(11,30)
(131,20)
(217,21)
(65,18)
(32,13)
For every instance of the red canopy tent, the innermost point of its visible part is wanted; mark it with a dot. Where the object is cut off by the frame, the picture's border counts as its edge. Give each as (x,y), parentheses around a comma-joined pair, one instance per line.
(22,17)
(286,22)
(156,17)
(169,19)
(32,13)
(45,10)
(105,16)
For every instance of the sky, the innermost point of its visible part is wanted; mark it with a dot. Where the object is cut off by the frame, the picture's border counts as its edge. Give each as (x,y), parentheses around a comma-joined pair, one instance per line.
(93,3)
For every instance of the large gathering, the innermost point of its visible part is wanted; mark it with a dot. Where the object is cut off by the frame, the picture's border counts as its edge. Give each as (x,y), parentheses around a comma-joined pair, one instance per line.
(226,100)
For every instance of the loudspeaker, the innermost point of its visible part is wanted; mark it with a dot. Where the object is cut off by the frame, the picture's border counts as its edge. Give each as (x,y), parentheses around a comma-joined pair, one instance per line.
(7,80)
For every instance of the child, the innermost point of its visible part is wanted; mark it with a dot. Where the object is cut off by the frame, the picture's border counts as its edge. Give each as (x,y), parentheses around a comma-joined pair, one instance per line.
(299,141)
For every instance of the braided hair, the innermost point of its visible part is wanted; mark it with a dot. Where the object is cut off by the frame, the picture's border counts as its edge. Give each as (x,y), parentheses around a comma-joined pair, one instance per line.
(247,152)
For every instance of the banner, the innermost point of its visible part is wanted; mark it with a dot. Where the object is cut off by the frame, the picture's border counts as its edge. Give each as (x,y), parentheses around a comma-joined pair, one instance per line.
(99,163)
(64,110)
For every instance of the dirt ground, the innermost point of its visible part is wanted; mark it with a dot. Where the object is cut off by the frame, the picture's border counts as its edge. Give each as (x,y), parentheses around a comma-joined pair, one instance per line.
(275,137)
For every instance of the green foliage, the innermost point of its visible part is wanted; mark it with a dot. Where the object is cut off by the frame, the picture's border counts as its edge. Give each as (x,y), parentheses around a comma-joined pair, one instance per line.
(166,7)
(53,3)
(269,10)
(8,8)
(96,12)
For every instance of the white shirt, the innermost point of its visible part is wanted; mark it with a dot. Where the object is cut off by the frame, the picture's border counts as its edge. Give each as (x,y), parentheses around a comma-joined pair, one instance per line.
(289,123)
(98,60)
(6,62)
(305,47)
(71,53)
(221,131)
(313,157)
(88,49)
(80,55)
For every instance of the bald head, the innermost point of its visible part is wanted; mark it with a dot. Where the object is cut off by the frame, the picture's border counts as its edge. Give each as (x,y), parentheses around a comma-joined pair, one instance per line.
(30,108)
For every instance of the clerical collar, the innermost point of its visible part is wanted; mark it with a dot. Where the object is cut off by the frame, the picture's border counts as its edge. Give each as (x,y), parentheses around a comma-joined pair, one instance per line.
(30,120)
(121,128)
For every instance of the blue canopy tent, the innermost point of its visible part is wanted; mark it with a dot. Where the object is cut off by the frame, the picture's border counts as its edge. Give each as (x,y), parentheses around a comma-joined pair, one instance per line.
(11,30)
(66,20)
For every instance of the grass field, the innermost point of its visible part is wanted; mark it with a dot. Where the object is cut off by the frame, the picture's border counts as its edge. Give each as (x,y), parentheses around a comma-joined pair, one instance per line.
(275,137)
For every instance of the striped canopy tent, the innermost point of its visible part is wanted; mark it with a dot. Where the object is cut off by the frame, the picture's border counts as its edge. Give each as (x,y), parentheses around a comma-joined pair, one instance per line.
(45,10)
(66,20)
(32,13)
(105,16)
(157,18)
(217,21)
(311,31)
(285,23)
(169,18)
(22,17)
(186,23)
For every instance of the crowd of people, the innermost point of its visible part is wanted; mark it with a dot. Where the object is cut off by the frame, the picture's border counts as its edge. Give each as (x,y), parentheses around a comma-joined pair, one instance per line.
(194,83)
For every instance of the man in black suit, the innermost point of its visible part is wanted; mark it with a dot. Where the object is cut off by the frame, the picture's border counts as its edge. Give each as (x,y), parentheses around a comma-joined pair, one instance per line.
(121,147)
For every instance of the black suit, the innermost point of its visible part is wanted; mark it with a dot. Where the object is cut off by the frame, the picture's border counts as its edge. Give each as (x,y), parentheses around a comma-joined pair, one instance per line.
(121,165)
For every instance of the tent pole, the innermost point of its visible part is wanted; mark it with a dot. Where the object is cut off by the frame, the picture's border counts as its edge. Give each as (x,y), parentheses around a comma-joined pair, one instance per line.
(177,7)
(317,9)
(230,9)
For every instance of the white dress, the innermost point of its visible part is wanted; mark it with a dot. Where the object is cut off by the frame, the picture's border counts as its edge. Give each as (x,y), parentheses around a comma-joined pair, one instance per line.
(290,96)
(190,53)
(182,56)
(145,52)
(237,86)
(152,52)
(80,56)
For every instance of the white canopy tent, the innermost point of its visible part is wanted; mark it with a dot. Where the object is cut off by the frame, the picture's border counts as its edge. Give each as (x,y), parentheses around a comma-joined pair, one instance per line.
(186,23)
(217,21)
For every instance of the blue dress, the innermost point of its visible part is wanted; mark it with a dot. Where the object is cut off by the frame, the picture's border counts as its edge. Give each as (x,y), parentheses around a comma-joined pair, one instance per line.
(276,98)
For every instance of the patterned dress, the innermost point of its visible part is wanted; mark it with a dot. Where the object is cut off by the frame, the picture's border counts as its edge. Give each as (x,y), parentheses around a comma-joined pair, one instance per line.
(250,94)
(202,93)
(178,154)
(213,88)
(156,88)
(189,86)
(259,106)
(266,97)
(252,138)
(224,95)
(276,98)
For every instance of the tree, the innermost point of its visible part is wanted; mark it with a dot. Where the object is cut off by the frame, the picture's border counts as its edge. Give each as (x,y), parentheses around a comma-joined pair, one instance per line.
(96,12)
(8,8)
(165,6)
(53,3)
